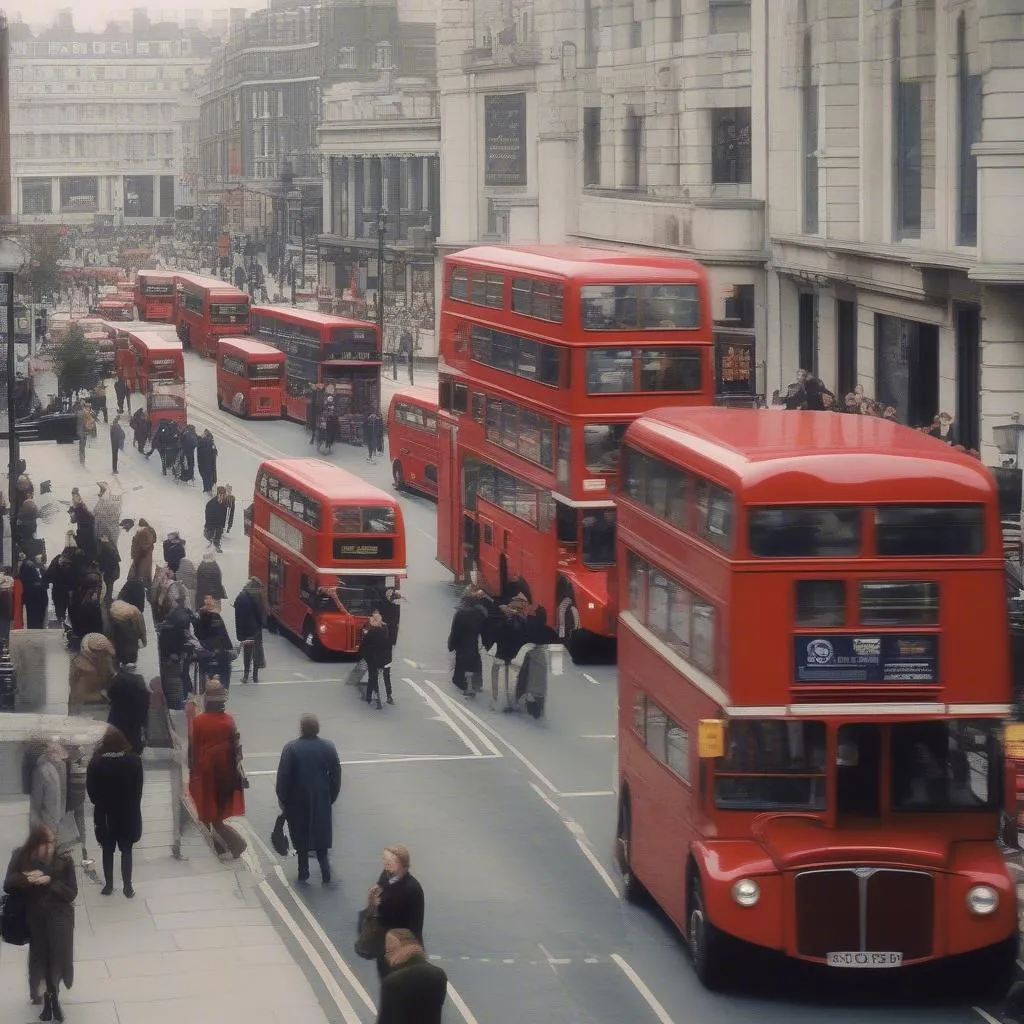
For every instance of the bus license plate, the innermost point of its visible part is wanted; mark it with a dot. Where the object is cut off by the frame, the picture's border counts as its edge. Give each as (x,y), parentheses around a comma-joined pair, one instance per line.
(864,959)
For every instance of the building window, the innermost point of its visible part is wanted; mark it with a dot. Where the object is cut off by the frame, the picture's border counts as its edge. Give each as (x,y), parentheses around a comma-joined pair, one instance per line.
(969,87)
(677,20)
(636,33)
(634,145)
(591,145)
(908,159)
(730,157)
(729,16)
(907,368)
(591,32)
(810,141)
(807,332)
(383,61)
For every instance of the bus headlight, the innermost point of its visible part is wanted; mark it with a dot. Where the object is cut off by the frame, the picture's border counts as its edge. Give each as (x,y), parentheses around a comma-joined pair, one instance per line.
(746,892)
(982,900)
(323,627)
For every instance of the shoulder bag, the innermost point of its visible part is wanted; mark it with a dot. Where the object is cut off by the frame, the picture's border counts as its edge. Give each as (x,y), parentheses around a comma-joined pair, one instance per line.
(14,919)
(370,939)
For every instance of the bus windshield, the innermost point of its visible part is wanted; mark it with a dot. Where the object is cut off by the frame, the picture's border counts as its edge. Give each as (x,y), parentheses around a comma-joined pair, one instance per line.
(357,519)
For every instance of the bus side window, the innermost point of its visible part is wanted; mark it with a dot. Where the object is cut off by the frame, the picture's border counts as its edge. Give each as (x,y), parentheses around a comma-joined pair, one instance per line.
(307,590)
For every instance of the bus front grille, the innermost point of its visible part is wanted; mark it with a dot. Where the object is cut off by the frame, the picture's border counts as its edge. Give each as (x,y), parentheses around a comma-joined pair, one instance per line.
(878,910)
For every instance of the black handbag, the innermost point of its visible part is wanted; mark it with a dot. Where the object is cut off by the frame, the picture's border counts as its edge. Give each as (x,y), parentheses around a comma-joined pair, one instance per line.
(370,941)
(14,919)
(278,840)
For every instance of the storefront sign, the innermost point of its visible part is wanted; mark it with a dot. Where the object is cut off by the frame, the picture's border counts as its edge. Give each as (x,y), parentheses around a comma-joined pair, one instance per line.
(885,658)
(505,139)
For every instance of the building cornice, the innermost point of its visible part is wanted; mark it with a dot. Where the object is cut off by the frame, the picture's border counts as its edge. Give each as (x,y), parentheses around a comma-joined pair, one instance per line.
(712,257)
(998,273)
(890,253)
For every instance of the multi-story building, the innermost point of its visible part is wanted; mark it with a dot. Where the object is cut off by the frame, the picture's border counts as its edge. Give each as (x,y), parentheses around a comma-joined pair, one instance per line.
(615,123)
(93,120)
(380,139)
(896,179)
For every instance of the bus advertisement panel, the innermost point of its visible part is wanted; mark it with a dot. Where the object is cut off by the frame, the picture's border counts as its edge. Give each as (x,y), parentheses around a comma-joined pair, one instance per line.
(412,439)
(328,544)
(154,295)
(547,356)
(206,309)
(813,679)
(250,378)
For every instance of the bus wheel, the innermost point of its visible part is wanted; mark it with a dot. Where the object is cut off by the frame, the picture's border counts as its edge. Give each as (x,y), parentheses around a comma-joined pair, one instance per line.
(632,890)
(315,650)
(706,942)
(397,475)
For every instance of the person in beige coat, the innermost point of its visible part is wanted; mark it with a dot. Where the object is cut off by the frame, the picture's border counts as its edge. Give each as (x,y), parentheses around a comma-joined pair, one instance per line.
(127,631)
(91,672)
(143,543)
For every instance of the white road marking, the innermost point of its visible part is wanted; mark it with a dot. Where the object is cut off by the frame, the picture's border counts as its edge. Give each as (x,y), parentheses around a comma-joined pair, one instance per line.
(591,792)
(443,716)
(598,736)
(399,760)
(540,792)
(984,1016)
(410,662)
(523,759)
(468,721)
(345,1008)
(598,867)
(291,682)
(648,996)
(590,679)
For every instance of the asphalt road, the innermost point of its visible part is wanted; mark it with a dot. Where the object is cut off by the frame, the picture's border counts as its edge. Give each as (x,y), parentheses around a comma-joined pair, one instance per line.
(510,821)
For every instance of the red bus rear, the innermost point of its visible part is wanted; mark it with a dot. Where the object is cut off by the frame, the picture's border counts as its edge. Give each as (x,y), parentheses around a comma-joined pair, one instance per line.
(813,678)
(328,544)
(207,309)
(158,374)
(412,439)
(154,295)
(548,354)
(324,349)
(250,378)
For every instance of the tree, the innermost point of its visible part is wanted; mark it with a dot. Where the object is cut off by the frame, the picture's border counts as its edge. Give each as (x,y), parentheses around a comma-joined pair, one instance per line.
(42,274)
(75,362)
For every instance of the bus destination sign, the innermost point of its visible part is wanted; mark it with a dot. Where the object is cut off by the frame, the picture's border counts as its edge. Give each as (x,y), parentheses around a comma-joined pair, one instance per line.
(882,658)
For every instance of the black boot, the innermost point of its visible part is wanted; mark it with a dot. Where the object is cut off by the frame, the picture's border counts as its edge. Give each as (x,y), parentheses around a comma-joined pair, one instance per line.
(58,1010)
(47,1013)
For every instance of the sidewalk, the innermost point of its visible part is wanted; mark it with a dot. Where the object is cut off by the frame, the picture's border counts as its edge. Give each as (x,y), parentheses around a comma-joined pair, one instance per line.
(195,946)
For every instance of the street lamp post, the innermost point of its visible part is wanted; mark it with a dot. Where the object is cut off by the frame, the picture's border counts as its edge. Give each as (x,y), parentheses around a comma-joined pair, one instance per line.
(1009,439)
(382,224)
(12,261)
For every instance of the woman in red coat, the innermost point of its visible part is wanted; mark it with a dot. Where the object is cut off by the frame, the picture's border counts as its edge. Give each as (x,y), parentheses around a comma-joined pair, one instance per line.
(216,778)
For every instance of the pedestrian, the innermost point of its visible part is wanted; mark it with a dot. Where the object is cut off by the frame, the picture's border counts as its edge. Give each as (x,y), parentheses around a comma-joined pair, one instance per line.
(375,650)
(85,524)
(116,442)
(48,795)
(414,990)
(216,781)
(229,501)
(85,614)
(188,443)
(114,784)
(374,434)
(98,399)
(129,705)
(510,636)
(121,393)
(186,576)
(159,601)
(134,592)
(174,550)
(143,543)
(405,351)
(165,441)
(107,513)
(313,401)
(212,633)
(464,642)
(216,518)
(76,773)
(140,428)
(27,523)
(308,784)
(209,582)
(33,592)
(206,461)
(250,620)
(398,898)
(389,606)
(90,673)
(61,576)
(127,631)
(45,876)
(532,681)
(82,429)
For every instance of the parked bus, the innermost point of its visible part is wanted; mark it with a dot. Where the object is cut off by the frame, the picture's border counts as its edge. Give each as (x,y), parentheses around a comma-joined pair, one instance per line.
(154,295)
(207,309)
(813,677)
(113,307)
(548,354)
(412,439)
(327,543)
(250,378)
(158,374)
(323,349)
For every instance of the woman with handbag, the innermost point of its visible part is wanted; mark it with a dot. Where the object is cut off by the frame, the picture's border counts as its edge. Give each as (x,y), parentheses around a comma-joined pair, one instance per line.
(250,618)
(113,781)
(43,879)
(396,900)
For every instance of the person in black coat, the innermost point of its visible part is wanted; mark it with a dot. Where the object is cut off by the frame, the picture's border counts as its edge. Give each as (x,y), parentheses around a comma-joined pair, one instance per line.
(85,526)
(464,643)
(33,592)
(209,581)
(174,550)
(216,518)
(375,650)
(212,633)
(86,614)
(113,781)
(108,558)
(140,428)
(134,592)
(188,441)
(414,990)
(374,430)
(129,706)
(509,637)
(61,576)
(206,461)
(308,784)
(250,618)
(398,897)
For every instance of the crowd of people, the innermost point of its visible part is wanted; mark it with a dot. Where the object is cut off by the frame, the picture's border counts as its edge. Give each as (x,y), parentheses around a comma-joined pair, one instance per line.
(330,418)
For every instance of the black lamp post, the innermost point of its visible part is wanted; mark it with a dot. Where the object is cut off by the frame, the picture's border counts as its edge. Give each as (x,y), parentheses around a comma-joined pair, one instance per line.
(382,223)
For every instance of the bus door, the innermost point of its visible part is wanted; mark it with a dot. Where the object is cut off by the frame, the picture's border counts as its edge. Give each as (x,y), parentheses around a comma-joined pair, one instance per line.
(449,506)
(490,541)
(275,585)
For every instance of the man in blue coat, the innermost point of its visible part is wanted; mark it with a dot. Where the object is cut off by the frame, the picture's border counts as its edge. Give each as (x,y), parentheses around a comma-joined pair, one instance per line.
(308,783)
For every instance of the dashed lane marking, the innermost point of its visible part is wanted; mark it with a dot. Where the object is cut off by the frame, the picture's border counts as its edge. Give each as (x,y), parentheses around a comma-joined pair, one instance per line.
(397,760)
(648,996)
(591,792)
(598,736)
(590,679)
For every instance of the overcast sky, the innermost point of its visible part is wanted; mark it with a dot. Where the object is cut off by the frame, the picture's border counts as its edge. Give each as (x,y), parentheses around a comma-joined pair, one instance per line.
(92,15)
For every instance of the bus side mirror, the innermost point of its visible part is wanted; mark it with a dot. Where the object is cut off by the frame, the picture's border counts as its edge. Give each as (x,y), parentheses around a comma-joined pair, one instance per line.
(711,738)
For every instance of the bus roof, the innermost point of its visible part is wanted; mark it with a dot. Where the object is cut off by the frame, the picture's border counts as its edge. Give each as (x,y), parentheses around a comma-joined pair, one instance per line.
(577,262)
(251,347)
(771,456)
(213,284)
(417,393)
(155,342)
(157,273)
(329,482)
(310,316)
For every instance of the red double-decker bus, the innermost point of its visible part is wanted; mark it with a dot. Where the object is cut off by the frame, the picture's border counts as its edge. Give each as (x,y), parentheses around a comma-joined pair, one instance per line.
(412,439)
(548,354)
(250,378)
(813,678)
(324,349)
(154,295)
(157,372)
(114,307)
(207,309)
